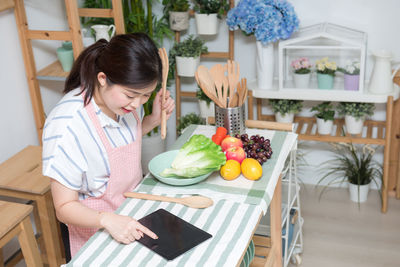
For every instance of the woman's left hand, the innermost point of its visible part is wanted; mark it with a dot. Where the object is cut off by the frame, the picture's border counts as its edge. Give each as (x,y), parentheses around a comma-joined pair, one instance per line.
(169,105)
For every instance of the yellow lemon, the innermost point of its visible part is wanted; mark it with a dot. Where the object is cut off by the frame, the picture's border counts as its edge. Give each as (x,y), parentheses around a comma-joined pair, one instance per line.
(231,170)
(251,169)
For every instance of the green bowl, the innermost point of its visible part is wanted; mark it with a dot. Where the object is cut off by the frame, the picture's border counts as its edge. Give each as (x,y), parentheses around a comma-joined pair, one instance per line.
(163,161)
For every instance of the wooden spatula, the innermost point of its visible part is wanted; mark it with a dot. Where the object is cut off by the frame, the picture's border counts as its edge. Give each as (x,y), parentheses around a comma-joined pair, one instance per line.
(207,84)
(197,202)
(217,73)
(165,67)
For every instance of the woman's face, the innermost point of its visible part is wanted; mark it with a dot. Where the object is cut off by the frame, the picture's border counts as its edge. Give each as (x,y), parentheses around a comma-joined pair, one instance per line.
(118,99)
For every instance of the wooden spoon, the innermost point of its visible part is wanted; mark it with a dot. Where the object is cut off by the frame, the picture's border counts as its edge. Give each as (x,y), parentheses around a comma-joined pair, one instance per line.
(207,84)
(165,67)
(197,202)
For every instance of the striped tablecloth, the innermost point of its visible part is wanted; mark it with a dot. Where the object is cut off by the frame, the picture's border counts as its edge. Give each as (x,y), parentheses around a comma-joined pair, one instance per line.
(231,225)
(241,190)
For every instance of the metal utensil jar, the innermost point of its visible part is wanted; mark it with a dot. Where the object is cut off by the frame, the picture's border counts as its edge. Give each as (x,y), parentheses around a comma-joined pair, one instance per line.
(233,119)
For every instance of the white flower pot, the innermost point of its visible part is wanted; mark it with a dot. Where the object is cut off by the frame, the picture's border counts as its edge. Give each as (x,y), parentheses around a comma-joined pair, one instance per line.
(151,147)
(324,127)
(206,24)
(187,66)
(265,65)
(178,21)
(358,193)
(206,110)
(287,118)
(301,80)
(353,125)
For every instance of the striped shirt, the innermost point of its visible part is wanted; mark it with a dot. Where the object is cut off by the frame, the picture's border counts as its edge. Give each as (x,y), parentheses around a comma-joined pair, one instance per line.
(73,153)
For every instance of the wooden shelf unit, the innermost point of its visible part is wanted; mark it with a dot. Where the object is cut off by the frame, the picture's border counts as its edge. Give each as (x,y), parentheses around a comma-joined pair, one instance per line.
(54,70)
(219,55)
(387,132)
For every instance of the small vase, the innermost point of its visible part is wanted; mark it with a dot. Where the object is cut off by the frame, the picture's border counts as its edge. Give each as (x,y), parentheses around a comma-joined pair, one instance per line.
(66,58)
(351,82)
(324,127)
(325,81)
(265,65)
(353,125)
(206,110)
(301,80)
(286,118)
(358,193)
(178,21)
(206,24)
(187,66)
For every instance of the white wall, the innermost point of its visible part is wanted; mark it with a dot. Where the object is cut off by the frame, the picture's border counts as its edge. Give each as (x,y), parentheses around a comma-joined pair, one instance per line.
(378,18)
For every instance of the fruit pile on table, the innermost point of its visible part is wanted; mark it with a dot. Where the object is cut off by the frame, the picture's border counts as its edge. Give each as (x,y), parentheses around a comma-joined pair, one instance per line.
(244,154)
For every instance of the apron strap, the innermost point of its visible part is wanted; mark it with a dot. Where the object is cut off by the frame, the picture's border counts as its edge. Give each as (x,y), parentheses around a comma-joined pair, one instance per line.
(92,115)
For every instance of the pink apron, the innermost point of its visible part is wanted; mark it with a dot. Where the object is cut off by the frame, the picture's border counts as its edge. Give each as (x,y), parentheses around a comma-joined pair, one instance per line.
(125,175)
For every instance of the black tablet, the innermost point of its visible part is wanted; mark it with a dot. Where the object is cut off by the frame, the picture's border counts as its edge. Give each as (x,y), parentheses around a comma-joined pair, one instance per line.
(175,236)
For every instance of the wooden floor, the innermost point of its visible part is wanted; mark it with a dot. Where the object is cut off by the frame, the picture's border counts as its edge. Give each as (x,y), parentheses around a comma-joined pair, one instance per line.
(338,233)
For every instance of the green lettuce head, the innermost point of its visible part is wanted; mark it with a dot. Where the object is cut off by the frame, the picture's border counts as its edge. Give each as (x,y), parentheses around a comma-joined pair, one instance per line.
(198,156)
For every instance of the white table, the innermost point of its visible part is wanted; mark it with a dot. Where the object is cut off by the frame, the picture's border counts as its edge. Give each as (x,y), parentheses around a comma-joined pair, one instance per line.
(231,221)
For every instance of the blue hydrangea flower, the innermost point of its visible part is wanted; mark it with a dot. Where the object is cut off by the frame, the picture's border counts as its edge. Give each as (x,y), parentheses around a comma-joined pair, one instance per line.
(268,20)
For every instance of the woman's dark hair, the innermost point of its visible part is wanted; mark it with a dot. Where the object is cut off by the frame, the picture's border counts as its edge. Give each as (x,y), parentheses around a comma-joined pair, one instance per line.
(131,60)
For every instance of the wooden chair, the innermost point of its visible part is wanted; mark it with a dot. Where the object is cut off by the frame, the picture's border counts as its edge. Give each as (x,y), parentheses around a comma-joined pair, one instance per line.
(14,222)
(21,177)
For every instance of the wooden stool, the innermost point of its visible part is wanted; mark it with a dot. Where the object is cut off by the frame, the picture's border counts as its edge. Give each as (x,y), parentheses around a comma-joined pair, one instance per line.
(15,221)
(21,177)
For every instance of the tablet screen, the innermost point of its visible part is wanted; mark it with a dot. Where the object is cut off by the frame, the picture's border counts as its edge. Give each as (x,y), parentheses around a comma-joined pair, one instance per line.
(175,236)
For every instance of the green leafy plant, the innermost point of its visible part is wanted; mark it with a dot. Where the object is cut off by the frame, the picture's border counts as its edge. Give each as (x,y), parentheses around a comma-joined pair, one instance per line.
(190,47)
(351,165)
(198,156)
(202,96)
(188,119)
(175,6)
(324,111)
(357,110)
(211,7)
(285,106)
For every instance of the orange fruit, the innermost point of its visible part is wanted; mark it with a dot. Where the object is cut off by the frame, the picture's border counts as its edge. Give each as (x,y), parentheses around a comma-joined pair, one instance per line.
(231,170)
(251,169)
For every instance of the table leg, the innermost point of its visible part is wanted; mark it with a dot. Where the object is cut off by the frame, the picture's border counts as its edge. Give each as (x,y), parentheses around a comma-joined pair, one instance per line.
(50,232)
(275,258)
(28,244)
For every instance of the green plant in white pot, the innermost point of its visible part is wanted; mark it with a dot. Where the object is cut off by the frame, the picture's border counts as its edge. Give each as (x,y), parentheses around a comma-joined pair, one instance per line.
(285,109)
(325,115)
(187,120)
(186,55)
(207,14)
(355,114)
(206,104)
(355,166)
(177,12)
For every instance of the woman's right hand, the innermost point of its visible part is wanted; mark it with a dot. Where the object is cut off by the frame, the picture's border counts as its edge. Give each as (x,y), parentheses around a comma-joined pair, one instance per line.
(124,229)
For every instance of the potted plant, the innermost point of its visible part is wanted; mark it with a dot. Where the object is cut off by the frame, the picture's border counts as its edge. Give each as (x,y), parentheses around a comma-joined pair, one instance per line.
(186,55)
(207,13)
(355,166)
(206,104)
(355,114)
(188,119)
(325,73)
(325,114)
(301,72)
(177,12)
(351,75)
(268,21)
(285,109)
